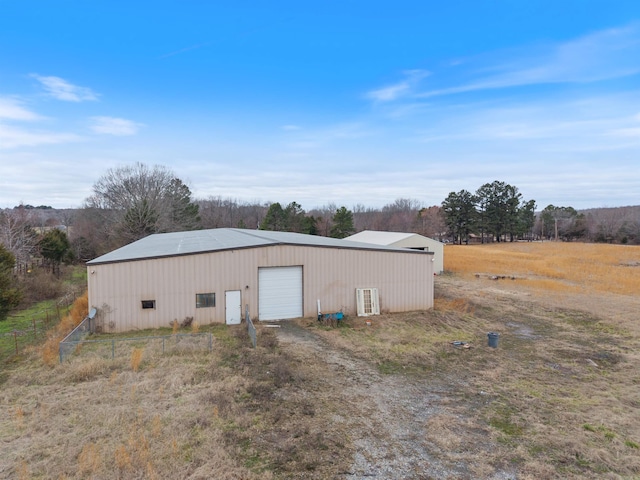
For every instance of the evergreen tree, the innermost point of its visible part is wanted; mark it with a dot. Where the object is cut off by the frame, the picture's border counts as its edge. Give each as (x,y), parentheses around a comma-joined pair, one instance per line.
(55,248)
(460,214)
(294,218)
(10,294)
(342,223)
(274,219)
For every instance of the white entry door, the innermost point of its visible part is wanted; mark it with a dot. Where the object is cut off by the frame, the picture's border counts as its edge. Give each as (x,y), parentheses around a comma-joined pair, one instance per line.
(233,307)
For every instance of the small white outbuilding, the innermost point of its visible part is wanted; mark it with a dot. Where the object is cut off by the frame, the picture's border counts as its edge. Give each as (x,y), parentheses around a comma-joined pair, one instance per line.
(413,241)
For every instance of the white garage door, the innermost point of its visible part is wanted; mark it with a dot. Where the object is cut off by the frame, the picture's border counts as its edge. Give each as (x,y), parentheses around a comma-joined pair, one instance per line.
(279,293)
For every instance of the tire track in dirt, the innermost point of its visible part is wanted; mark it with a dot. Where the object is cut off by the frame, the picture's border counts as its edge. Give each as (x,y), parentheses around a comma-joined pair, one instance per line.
(385,415)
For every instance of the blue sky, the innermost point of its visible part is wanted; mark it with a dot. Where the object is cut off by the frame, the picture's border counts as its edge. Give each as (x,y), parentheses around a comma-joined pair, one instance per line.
(350,102)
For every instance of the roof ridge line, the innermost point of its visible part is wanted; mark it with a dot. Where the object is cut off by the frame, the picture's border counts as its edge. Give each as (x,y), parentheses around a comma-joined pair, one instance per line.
(250,234)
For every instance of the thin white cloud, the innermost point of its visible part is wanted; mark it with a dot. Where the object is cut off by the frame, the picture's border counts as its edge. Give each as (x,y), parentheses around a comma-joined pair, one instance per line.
(603,55)
(11,137)
(12,109)
(627,132)
(291,128)
(186,49)
(114,126)
(537,134)
(330,135)
(400,89)
(62,90)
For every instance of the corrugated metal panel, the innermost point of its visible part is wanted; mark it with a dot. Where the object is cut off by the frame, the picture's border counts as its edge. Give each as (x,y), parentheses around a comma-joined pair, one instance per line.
(218,239)
(404,280)
(279,293)
(379,237)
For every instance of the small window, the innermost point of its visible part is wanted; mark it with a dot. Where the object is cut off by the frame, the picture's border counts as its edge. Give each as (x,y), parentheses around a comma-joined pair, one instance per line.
(148,304)
(205,300)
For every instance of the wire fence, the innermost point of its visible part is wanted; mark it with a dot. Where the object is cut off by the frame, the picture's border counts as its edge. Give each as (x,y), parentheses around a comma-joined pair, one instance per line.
(80,344)
(70,343)
(31,329)
(251,329)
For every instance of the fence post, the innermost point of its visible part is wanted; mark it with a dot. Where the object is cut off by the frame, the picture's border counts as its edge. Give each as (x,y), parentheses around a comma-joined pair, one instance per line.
(60,351)
(35,331)
(15,337)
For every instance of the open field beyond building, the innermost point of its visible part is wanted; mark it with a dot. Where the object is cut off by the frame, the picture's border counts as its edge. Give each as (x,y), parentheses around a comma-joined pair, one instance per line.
(558,398)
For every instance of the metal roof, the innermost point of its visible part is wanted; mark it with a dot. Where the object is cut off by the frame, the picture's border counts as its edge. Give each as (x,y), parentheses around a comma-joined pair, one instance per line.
(386,238)
(218,239)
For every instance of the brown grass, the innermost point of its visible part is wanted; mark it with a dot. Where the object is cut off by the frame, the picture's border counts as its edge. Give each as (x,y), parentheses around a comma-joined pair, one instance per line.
(566,358)
(50,348)
(136,358)
(234,413)
(553,266)
(557,399)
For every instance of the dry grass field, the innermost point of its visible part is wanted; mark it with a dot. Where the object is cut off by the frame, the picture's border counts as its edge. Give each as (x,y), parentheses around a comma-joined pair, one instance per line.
(558,398)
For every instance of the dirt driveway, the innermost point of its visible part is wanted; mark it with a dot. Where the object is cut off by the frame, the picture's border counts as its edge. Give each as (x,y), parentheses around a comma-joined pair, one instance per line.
(387,417)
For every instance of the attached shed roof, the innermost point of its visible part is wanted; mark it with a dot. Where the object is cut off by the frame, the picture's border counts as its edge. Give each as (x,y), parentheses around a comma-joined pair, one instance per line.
(218,239)
(391,238)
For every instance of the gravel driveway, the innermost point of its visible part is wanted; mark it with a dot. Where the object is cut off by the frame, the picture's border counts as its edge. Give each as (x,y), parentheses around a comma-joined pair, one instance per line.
(386,415)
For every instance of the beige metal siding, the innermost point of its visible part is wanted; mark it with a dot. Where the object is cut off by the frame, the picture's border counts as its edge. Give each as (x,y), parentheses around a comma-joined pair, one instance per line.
(418,241)
(404,281)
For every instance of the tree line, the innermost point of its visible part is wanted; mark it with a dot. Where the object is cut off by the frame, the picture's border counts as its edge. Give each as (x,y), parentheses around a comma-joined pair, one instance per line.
(495,212)
(131,202)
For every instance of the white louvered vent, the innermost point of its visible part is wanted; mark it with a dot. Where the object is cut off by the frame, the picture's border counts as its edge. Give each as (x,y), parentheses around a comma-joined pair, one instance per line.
(367,302)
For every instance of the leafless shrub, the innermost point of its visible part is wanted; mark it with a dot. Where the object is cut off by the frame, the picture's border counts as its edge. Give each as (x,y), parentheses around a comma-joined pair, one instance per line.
(84,369)
(40,285)
(267,339)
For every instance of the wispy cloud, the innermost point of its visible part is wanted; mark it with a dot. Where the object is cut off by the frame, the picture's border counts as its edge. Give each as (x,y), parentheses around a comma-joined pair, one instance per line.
(329,135)
(186,49)
(291,128)
(62,90)
(12,137)
(400,89)
(114,126)
(603,55)
(547,130)
(12,109)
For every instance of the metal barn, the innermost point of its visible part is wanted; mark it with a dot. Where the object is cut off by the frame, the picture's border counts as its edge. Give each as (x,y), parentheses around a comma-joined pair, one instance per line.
(213,275)
(404,240)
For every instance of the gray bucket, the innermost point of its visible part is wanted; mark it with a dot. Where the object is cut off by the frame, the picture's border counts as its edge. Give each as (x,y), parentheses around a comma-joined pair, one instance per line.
(493,339)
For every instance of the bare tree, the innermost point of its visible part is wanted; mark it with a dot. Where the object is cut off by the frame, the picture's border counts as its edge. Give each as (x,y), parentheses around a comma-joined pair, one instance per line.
(363,217)
(218,212)
(402,215)
(324,218)
(17,234)
(432,223)
(606,223)
(133,201)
